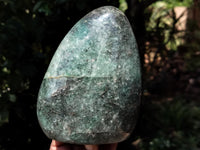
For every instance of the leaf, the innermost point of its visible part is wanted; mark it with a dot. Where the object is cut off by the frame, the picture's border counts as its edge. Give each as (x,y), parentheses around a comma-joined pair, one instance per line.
(37,6)
(42,7)
(12,98)
(123,6)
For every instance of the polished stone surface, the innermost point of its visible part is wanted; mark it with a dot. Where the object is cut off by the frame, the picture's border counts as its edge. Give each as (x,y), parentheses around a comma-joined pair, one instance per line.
(91,91)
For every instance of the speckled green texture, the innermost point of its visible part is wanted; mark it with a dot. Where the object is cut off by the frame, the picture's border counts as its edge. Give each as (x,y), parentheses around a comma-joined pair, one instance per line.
(91,91)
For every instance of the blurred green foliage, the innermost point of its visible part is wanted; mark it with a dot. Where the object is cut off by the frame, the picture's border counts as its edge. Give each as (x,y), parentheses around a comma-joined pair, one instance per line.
(30,32)
(175,3)
(176,124)
(123,6)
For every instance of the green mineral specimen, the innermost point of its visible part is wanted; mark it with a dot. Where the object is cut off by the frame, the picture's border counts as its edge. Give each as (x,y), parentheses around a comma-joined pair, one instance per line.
(90,93)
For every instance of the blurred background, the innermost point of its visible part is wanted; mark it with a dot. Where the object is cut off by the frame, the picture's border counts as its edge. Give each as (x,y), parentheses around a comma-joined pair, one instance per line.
(168,36)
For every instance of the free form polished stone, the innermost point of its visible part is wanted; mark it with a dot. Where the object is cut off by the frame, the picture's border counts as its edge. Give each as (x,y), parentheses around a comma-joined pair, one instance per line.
(90,93)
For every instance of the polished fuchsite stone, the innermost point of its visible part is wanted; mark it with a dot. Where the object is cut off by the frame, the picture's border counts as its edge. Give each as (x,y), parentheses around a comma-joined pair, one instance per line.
(90,93)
